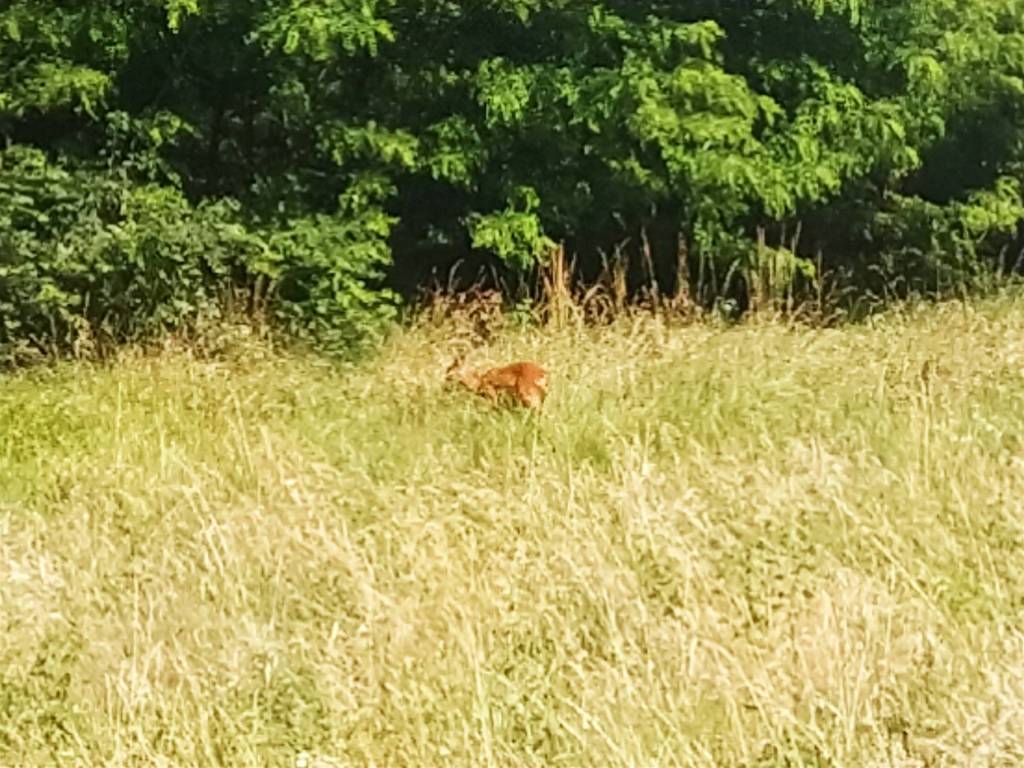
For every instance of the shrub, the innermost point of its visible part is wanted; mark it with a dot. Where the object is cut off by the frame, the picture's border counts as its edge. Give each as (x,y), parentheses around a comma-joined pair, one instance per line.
(89,259)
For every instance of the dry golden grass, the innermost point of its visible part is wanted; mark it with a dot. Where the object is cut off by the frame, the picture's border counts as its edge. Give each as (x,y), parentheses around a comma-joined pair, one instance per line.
(757,546)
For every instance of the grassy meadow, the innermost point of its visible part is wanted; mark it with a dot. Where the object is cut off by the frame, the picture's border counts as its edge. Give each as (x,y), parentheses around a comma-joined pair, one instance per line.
(752,546)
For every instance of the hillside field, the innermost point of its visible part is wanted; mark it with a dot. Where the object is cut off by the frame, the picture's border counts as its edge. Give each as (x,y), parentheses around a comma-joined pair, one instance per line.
(753,546)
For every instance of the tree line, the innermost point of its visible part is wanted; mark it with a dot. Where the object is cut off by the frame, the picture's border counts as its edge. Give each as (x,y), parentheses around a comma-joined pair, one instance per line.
(318,161)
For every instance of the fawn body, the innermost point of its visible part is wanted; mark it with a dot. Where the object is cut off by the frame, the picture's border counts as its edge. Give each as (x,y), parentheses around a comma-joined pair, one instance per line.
(526,382)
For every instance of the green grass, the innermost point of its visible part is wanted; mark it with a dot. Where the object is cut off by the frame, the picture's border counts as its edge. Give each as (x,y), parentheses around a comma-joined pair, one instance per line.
(757,546)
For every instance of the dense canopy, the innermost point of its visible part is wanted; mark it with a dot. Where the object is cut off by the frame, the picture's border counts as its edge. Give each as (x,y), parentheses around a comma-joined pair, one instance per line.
(314,157)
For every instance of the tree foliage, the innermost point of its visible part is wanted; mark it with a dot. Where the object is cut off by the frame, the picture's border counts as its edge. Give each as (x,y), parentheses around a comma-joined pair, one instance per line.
(313,146)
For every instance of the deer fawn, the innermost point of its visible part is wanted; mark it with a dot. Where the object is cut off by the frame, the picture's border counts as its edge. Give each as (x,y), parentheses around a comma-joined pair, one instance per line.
(526,382)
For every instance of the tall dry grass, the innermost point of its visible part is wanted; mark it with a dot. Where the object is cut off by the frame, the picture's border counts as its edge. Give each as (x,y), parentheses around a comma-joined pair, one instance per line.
(751,546)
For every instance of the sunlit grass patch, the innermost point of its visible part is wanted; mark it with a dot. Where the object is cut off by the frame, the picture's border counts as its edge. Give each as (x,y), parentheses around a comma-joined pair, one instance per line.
(760,545)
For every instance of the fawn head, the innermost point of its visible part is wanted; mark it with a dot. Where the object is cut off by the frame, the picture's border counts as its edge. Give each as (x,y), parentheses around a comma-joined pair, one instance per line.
(457,372)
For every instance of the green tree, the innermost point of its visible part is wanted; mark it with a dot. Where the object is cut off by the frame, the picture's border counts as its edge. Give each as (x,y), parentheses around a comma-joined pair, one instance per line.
(340,143)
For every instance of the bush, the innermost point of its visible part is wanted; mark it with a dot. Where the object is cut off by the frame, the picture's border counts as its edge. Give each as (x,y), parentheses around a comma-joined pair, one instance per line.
(737,149)
(88,260)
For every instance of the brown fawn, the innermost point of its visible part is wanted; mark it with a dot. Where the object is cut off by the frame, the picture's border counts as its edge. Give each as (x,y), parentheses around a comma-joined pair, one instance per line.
(526,382)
